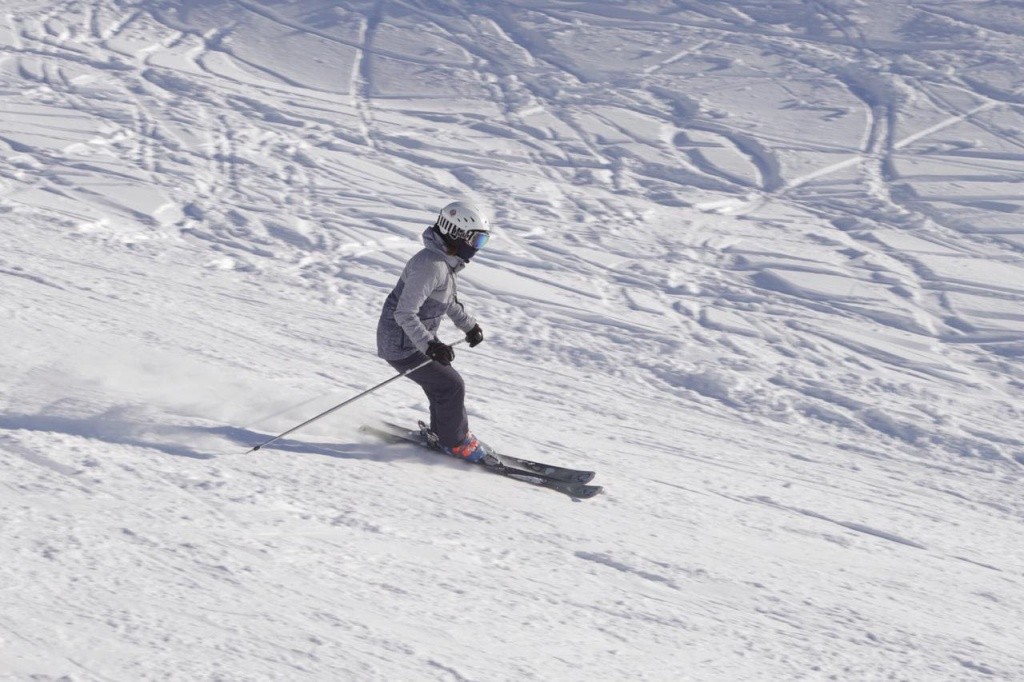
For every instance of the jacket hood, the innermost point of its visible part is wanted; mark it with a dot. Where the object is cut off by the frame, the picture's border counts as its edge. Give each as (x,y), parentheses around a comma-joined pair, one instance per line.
(433,241)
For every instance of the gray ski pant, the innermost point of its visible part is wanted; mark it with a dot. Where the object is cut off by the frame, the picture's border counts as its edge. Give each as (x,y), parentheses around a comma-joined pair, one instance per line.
(446,392)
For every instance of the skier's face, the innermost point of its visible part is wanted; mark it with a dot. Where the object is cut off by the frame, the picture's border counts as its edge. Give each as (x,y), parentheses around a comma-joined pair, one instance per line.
(465,251)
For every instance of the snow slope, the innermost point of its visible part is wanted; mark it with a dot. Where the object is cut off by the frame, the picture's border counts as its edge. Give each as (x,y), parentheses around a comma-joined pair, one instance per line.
(761,265)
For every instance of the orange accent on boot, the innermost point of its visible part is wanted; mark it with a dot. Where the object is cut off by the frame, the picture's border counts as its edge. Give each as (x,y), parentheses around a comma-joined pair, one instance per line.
(466,447)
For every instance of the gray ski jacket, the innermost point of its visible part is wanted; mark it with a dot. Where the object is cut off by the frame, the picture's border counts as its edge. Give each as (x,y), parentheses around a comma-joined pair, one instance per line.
(425,292)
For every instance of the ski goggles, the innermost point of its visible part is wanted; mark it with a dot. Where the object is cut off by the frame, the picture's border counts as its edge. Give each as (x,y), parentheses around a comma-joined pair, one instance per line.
(475,238)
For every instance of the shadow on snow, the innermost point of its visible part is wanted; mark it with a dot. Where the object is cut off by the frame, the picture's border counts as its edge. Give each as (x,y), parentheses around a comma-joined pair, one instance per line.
(112,427)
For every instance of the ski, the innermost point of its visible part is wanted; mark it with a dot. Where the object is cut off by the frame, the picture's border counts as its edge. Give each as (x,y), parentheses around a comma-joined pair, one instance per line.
(570,482)
(549,471)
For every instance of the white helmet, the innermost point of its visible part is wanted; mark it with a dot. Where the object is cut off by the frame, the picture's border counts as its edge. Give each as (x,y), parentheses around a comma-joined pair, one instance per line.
(464,221)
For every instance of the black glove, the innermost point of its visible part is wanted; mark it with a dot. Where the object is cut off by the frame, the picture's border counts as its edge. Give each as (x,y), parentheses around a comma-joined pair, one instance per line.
(475,336)
(440,352)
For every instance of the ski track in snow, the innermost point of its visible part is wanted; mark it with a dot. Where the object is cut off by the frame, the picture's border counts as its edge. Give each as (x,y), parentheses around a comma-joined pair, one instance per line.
(757,264)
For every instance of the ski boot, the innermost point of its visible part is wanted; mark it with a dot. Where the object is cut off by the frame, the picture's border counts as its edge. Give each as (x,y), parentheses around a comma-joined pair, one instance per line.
(470,448)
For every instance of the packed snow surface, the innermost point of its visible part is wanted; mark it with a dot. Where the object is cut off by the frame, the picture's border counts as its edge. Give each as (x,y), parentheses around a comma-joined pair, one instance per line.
(758,264)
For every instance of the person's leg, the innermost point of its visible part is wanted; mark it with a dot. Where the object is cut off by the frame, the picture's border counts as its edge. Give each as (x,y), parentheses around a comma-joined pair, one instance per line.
(446,392)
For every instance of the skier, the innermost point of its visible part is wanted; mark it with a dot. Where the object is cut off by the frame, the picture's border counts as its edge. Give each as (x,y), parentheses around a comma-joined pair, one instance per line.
(407,330)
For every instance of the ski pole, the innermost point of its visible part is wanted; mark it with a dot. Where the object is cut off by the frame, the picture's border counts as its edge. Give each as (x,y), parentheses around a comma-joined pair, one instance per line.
(347,402)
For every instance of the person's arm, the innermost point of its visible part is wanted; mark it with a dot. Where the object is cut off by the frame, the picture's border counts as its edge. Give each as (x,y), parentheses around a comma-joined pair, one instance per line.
(420,282)
(457,313)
